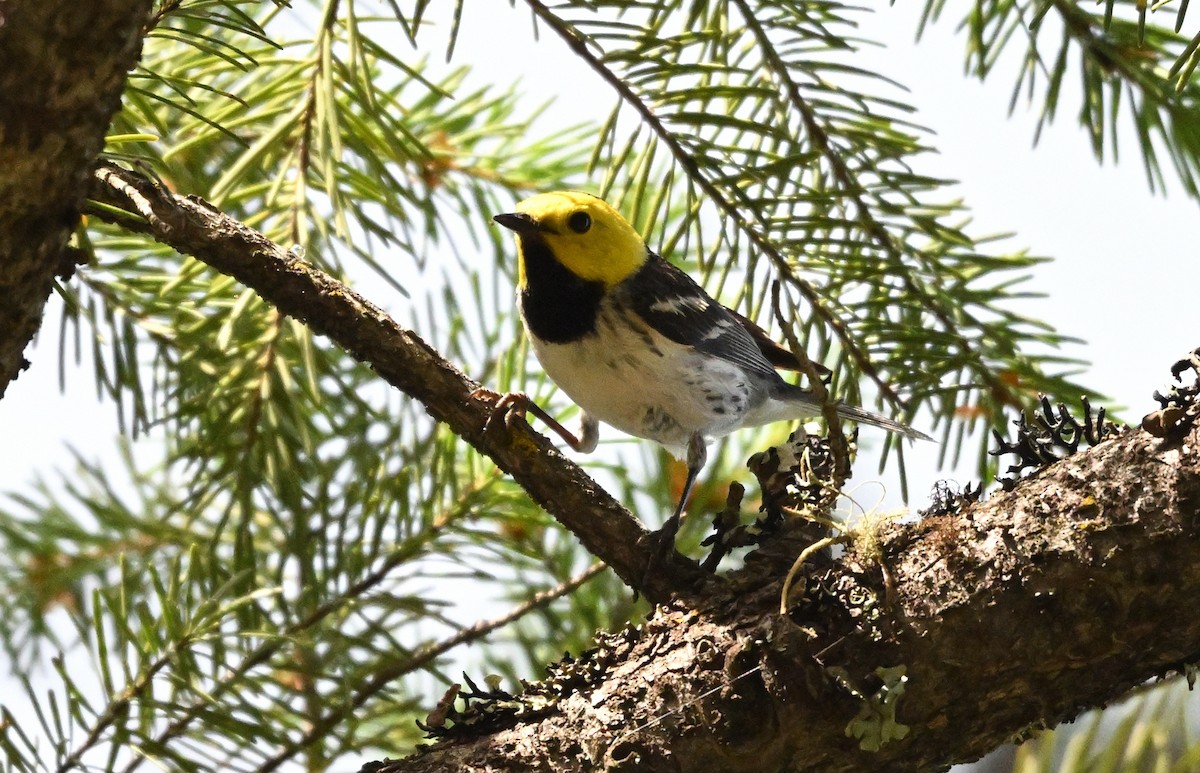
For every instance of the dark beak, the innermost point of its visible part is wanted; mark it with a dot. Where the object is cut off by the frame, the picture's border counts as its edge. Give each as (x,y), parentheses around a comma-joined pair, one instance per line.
(519,222)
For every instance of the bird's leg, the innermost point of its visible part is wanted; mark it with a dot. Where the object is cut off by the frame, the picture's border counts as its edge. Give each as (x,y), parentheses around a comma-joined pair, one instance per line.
(515,405)
(664,538)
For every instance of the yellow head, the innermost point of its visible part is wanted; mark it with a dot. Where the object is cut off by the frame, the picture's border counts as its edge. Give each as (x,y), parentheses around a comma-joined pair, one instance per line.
(585,235)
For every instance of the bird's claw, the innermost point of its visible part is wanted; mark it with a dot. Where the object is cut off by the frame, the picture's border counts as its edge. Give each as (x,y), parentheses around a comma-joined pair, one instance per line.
(483,393)
(507,409)
(661,544)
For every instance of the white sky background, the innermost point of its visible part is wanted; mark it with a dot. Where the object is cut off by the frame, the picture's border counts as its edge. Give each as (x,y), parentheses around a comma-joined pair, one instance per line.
(1123,277)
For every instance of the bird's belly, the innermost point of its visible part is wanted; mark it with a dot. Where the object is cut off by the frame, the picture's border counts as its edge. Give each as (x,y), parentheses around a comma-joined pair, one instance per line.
(649,386)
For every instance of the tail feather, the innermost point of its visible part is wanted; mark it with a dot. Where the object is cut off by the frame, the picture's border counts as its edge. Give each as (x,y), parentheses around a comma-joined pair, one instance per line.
(863,416)
(805,405)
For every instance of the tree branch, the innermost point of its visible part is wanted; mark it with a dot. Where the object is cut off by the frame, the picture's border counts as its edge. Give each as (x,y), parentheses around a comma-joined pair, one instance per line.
(193,227)
(1022,611)
(62,71)
(1015,613)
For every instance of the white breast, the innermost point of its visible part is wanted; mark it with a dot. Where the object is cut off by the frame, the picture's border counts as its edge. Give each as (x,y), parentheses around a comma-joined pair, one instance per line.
(637,380)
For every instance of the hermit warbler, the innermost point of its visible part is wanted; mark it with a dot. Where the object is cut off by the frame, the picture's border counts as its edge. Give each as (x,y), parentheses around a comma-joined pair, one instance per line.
(637,344)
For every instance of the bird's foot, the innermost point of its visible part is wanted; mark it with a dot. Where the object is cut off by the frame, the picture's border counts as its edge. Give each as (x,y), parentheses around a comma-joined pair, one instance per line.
(661,543)
(507,409)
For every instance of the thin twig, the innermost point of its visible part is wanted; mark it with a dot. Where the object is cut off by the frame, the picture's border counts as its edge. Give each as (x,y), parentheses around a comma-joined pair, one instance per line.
(269,648)
(837,439)
(120,708)
(848,183)
(812,549)
(387,675)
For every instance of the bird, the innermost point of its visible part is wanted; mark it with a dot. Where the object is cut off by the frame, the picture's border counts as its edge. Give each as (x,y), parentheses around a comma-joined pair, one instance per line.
(637,344)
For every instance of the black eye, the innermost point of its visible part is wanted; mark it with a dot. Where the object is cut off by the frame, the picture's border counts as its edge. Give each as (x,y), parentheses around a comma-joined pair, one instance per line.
(579,222)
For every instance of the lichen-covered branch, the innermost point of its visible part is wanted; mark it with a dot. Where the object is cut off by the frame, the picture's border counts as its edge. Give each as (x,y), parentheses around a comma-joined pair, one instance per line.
(62,71)
(927,644)
(1014,613)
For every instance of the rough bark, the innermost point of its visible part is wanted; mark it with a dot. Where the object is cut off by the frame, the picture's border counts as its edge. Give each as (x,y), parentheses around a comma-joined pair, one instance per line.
(1015,613)
(62,70)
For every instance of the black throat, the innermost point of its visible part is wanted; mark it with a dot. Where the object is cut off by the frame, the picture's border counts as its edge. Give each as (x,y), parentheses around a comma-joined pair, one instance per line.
(558,306)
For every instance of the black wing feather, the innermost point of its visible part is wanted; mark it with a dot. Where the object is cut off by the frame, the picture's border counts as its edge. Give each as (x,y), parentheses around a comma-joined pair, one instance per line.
(780,356)
(672,303)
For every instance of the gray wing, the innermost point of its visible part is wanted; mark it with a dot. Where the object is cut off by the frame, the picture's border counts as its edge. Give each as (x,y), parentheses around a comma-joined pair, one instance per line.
(672,303)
